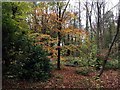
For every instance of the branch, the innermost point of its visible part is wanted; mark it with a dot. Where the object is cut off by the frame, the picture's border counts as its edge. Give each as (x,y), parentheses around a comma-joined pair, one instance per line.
(114,39)
(65,9)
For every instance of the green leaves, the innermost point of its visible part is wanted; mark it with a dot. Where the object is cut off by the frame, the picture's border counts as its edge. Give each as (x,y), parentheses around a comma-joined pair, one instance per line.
(22,58)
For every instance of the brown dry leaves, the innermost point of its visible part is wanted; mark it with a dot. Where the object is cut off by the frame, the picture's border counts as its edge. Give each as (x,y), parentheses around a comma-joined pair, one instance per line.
(67,78)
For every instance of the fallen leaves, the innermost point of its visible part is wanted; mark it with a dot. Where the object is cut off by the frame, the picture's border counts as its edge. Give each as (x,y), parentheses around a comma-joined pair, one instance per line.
(67,78)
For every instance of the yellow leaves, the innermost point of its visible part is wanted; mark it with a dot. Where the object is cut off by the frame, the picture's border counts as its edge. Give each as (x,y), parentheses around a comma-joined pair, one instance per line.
(33,34)
(72,14)
(43,36)
(63,58)
(58,21)
(57,47)
(46,40)
(51,50)
(71,47)
(56,30)
(48,48)
(38,12)
(53,14)
(39,43)
(67,30)
(53,41)
(53,17)
(78,33)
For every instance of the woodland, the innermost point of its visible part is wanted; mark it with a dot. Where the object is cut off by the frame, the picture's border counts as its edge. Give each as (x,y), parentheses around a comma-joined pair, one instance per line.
(60,44)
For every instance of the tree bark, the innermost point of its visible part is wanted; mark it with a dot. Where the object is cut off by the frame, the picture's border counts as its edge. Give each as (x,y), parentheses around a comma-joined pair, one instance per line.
(98,31)
(59,39)
(60,18)
(87,15)
(110,48)
(59,36)
(79,16)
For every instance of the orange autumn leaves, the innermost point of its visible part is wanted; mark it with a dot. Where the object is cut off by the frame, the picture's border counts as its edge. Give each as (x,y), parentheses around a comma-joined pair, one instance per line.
(49,21)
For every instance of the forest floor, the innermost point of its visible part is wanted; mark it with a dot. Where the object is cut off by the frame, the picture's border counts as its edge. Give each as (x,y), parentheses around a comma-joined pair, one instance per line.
(67,78)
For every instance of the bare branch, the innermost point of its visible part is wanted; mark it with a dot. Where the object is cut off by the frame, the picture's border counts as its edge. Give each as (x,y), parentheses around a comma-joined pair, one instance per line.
(109,51)
(65,9)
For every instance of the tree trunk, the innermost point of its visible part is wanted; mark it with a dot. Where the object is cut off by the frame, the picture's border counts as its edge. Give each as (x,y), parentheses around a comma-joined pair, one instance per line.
(98,31)
(87,16)
(68,42)
(59,39)
(79,16)
(103,28)
(59,36)
(114,39)
(60,18)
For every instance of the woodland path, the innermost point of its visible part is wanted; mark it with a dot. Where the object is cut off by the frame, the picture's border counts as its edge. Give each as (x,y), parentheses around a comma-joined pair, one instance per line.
(67,78)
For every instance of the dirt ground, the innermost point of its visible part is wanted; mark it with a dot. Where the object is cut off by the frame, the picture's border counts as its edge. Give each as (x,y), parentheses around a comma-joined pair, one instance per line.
(67,78)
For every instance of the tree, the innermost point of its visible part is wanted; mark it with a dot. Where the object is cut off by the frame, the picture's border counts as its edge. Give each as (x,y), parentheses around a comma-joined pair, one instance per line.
(54,23)
(21,57)
(112,43)
(12,28)
(60,18)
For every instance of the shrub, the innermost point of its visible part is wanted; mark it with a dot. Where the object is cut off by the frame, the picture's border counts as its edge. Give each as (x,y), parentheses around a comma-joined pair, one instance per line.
(113,64)
(21,58)
(35,65)
(83,71)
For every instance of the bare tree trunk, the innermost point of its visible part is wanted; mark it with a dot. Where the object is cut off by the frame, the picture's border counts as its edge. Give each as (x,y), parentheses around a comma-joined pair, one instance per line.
(60,18)
(90,14)
(59,39)
(68,42)
(86,15)
(91,29)
(103,28)
(98,31)
(114,39)
(119,43)
(79,15)
(59,36)
(119,49)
